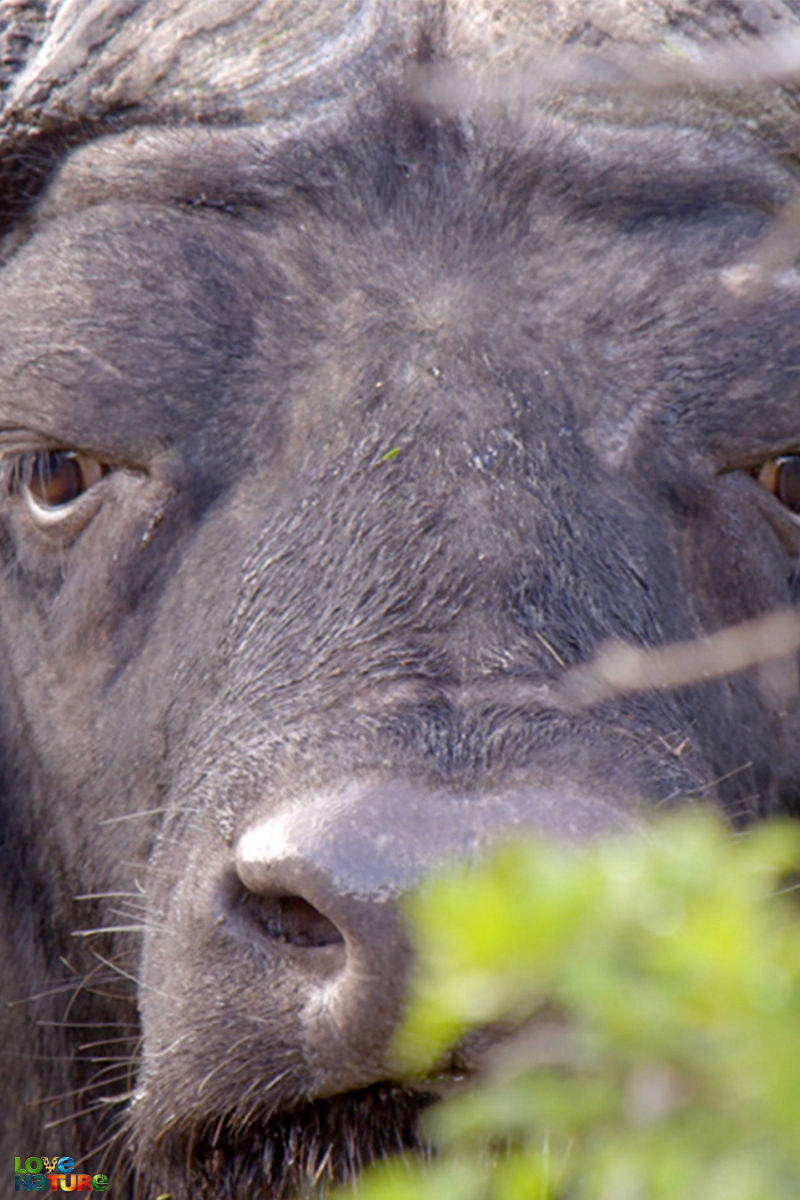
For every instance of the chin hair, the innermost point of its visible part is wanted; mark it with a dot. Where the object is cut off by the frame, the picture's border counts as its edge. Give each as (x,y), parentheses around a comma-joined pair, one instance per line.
(292,1155)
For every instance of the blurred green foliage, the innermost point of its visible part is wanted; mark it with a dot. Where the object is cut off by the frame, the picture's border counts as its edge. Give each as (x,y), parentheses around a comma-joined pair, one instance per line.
(650,991)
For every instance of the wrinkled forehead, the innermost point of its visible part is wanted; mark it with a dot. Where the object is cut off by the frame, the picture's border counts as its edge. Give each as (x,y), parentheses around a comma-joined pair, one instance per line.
(557,233)
(656,165)
(488,191)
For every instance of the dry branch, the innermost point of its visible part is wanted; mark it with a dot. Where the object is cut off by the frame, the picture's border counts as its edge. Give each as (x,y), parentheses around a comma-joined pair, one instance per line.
(620,669)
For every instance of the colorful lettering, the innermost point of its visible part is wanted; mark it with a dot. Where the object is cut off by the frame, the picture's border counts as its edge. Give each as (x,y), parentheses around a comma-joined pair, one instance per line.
(29,1182)
(60,1174)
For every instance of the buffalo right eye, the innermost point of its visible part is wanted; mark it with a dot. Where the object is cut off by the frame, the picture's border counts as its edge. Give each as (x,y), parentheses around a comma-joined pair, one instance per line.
(781,477)
(51,482)
(54,478)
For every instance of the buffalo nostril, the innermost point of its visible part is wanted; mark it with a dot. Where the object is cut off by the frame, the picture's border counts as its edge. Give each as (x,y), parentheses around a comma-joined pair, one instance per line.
(282,892)
(290,919)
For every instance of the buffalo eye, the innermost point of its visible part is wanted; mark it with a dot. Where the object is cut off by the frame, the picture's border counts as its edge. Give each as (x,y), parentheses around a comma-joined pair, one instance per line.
(57,477)
(781,476)
(52,481)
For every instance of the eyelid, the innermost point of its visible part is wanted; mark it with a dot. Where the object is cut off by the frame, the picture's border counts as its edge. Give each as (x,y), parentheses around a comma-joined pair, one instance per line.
(25,463)
(16,443)
(23,441)
(49,516)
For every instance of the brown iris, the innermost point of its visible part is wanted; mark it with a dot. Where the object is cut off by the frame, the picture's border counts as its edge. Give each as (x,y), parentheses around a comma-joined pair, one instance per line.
(57,477)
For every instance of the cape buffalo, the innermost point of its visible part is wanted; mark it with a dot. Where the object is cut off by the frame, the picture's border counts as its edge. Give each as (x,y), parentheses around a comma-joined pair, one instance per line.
(365,367)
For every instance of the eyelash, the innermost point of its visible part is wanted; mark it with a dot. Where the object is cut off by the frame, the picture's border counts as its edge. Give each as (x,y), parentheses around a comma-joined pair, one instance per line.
(50,481)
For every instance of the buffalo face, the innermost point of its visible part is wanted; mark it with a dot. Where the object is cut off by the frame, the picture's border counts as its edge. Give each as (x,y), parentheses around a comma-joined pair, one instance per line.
(324,456)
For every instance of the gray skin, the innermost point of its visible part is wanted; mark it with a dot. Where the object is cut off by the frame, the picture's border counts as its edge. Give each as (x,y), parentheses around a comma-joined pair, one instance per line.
(399,414)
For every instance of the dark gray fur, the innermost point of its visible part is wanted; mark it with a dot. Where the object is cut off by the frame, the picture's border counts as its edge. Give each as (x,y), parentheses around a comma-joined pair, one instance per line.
(402,409)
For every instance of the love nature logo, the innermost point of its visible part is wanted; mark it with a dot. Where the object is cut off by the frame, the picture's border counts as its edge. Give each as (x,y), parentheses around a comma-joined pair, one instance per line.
(42,1174)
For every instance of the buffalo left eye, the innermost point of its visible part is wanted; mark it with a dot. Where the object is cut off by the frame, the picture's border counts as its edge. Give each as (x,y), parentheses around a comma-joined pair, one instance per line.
(781,476)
